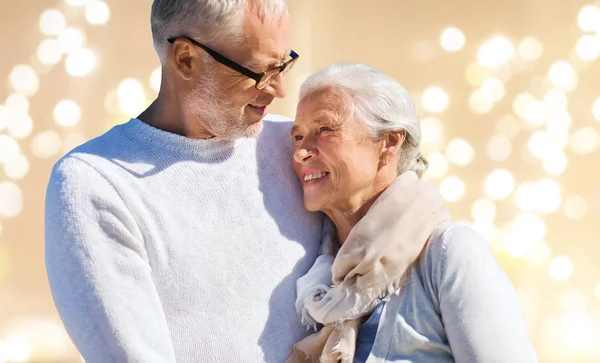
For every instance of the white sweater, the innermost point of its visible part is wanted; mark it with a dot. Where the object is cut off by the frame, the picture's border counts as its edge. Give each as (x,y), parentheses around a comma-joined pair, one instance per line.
(160,248)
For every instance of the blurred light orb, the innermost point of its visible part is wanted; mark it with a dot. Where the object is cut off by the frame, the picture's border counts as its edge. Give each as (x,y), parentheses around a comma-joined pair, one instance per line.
(11,199)
(16,167)
(4,113)
(132,98)
(97,12)
(49,52)
(79,3)
(435,99)
(155,79)
(70,39)
(475,74)
(20,125)
(539,254)
(499,184)
(549,195)
(80,62)
(67,113)
(560,268)
(495,52)
(584,141)
(460,152)
(494,87)
(46,145)
(17,349)
(563,76)
(452,189)
(508,126)
(432,130)
(483,209)
(588,18)
(52,22)
(555,163)
(535,114)
(526,197)
(530,49)
(523,233)
(438,165)
(540,144)
(452,39)
(575,207)
(588,47)
(522,102)
(499,148)
(24,79)
(556,99)
(481,101)
(9,147)
(17,102)
(596,109)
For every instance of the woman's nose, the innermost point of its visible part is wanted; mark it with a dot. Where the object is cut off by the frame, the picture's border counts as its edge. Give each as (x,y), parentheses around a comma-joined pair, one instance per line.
(303,154)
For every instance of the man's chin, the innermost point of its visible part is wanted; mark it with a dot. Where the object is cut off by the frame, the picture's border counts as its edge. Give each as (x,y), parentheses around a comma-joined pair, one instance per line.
(254,129)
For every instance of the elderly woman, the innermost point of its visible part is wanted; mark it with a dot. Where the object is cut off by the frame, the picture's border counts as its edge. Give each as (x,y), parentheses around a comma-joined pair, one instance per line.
(434,292)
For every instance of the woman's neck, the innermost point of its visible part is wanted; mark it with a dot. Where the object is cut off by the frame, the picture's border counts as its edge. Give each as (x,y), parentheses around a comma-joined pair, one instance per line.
(346,218)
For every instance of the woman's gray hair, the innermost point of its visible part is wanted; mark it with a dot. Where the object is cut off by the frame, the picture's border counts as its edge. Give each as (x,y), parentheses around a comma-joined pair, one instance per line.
(207,20)
(379,102)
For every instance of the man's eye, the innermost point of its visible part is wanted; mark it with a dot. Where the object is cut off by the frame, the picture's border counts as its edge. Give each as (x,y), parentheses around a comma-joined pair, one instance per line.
(325,129)
(298,137)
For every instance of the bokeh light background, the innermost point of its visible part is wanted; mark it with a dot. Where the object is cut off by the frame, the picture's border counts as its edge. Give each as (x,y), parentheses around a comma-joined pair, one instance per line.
(508,93)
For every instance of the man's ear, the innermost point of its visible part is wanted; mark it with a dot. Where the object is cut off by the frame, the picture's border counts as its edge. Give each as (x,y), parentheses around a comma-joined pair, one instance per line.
(184,59)
(391,142)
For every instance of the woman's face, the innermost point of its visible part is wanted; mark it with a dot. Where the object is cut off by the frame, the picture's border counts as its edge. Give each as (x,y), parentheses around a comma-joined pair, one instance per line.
(334,157)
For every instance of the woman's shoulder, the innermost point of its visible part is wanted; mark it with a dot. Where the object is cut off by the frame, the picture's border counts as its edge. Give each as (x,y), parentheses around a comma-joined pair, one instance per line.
(450,245)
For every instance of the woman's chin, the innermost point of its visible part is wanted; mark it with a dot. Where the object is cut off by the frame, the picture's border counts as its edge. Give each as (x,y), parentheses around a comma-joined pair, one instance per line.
(312,205)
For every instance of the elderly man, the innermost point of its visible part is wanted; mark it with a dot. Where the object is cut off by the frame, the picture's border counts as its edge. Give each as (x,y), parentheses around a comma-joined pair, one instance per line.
(178,236)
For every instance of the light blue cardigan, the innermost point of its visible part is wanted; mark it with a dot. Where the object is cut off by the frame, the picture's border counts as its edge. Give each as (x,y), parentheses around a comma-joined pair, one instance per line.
(457,305)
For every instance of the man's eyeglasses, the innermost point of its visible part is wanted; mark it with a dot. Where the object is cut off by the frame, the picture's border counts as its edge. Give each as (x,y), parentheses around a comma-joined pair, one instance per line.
(262,79)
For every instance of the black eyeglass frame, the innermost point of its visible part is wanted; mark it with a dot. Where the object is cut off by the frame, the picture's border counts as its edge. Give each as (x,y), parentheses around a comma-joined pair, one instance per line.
(259,78)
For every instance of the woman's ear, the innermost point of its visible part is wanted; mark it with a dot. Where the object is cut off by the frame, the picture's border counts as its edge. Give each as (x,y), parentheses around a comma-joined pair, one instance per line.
(391,142)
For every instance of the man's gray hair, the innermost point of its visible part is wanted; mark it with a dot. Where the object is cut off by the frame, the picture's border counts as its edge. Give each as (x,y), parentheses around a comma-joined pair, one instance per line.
(379,102)
(206,20)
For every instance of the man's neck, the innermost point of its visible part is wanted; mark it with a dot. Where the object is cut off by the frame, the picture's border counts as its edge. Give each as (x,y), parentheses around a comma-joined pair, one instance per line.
(163,114)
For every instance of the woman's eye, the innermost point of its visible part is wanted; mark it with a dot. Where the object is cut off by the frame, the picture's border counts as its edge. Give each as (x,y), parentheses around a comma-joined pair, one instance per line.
(325,129)
(298,137)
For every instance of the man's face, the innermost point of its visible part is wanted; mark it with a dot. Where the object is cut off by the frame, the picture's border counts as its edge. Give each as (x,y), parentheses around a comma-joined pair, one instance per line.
(228,101)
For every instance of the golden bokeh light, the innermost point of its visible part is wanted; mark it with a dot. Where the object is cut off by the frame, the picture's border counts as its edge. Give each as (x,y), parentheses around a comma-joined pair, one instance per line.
(481,101)
(588,18)
(452,39)
(16,349)
(438,165)
(508,126)
(46,144)
(588,47)
(460,152)
(563,76)
(476,74)
(11,199)
(97,12)
(52,22)
(561,268)
(16,167)
(499,184)
(575,207)
(435,99)
(530,49)
(70,39)
(132,97)
(596,109)
(49,51)
(499,148)
(24,79)
(539,254)
(452,189)
(584,140)
(67,113)
(80,62)
(496,52)
(483,209)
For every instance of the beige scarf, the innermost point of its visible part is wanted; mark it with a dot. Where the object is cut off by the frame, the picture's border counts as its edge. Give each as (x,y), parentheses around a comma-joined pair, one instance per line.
(367,270)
